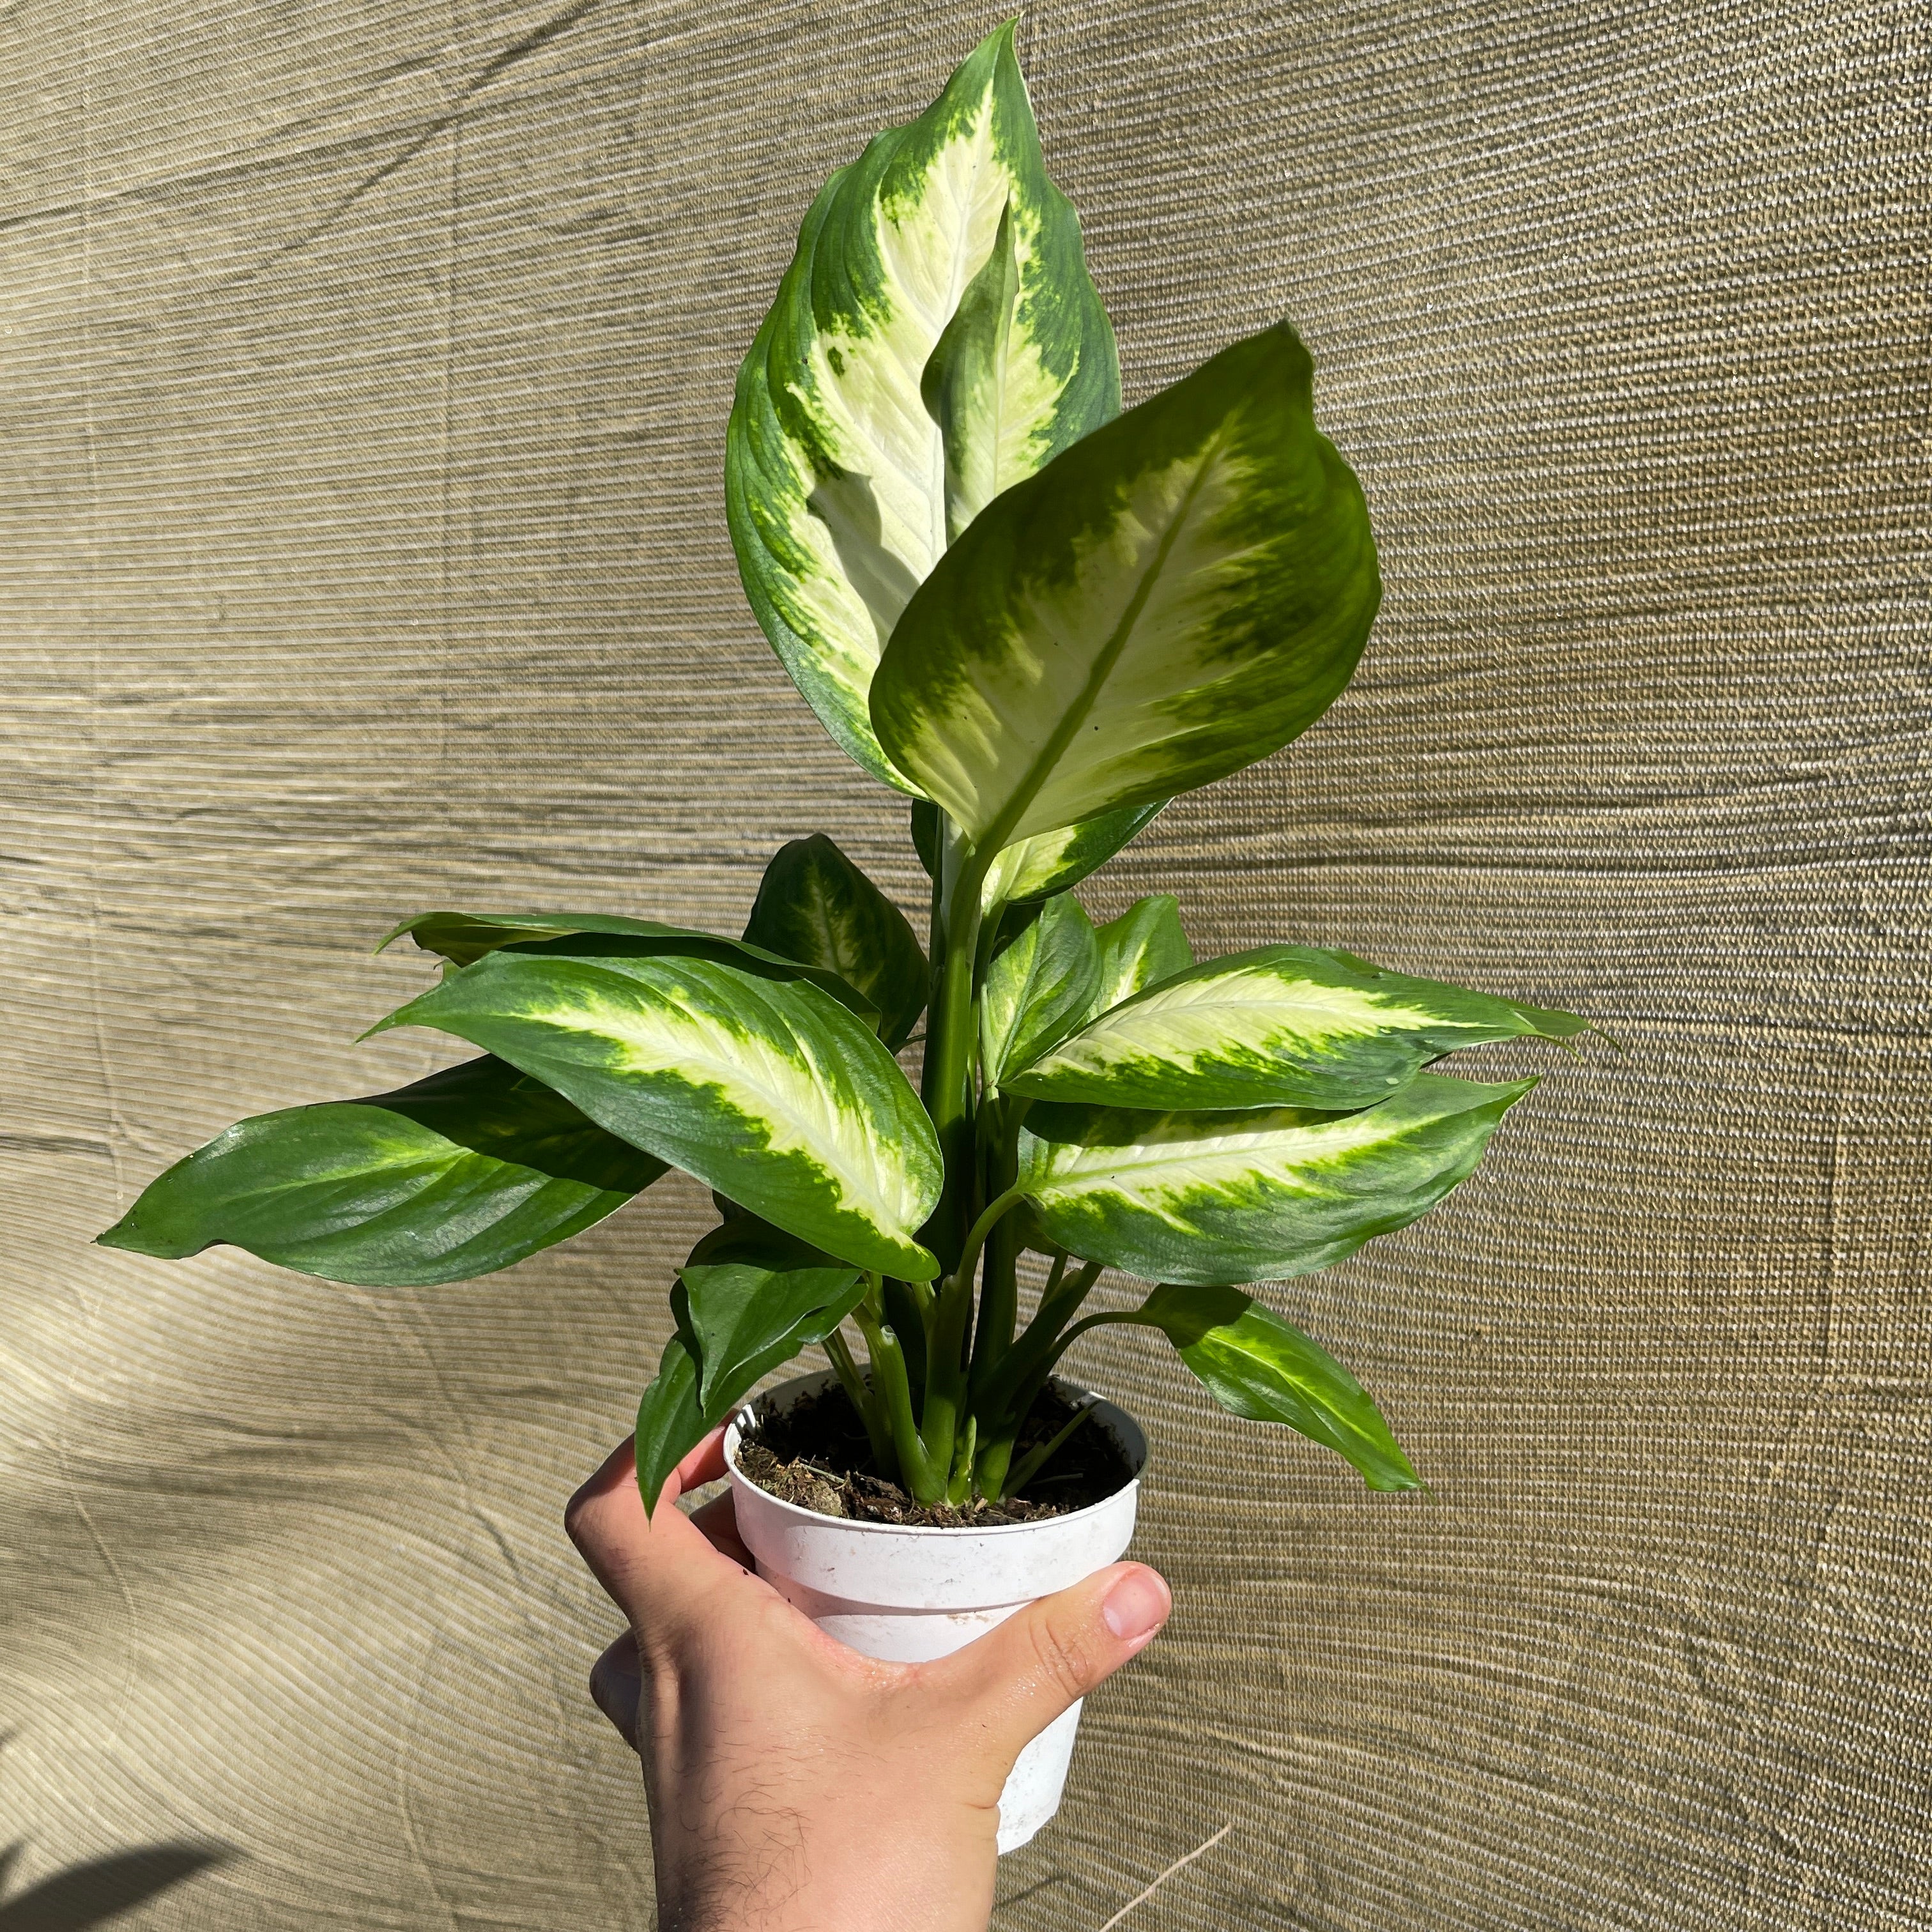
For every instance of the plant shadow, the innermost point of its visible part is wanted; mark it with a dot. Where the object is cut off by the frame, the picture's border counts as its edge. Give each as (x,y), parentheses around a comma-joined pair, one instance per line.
(102,1889)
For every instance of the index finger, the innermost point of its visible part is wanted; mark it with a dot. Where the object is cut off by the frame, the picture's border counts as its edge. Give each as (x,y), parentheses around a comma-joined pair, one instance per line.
(652,1567)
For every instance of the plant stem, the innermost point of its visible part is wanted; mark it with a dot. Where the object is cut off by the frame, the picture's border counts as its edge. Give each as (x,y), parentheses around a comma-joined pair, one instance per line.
(946,1369)
(975,1238)
(996,1398)
(999,1295)
(916,1470)
(1036,1459)
(1037,1378)
(945,1081)
(866,1402)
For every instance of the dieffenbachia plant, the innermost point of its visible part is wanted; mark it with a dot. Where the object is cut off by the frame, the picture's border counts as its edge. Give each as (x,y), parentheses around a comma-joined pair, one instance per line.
(1039,618)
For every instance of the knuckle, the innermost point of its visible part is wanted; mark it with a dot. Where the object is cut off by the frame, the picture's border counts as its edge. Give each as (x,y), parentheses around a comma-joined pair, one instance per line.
(578,1514)
(1063,1658)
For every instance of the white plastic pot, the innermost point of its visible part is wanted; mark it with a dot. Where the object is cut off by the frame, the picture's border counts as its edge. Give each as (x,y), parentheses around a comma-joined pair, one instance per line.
(909,1595)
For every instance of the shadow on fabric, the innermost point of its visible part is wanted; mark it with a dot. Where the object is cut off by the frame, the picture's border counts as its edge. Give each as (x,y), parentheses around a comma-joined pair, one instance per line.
(103,1889)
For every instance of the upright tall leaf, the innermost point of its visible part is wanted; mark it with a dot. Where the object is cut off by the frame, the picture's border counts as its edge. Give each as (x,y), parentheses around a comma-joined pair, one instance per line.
(1278,1026)
(836,470)
(1146,943)
(458,1175)
(1264,1369)
(1213,1197)
(767,1090)
(816,906)
(1038,986)
(1174,597)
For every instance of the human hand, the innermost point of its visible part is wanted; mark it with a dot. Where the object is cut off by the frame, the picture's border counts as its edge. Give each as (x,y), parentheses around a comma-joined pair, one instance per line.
(793,1785)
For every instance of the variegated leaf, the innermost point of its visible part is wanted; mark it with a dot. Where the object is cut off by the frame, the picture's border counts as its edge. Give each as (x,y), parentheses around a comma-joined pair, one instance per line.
(1038,986)
(464,937)
(767,1090)
(1146,943)
(1279,1026)
(1213,1197)
(1037,868)
(836,468)
(1176,596)
(456,1176)
(1264,1369)
(815,906)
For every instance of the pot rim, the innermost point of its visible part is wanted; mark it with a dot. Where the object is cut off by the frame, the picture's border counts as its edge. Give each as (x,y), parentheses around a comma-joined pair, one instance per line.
(1110,1414)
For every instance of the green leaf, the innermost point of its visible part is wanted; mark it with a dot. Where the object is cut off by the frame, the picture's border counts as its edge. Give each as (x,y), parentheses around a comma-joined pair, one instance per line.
(1038,987)
(1146,943)
(458,1175)
(767,1090)
(670,1423)
(1210,1198)
(1260,1368)
(749,1320)
(1279,1026)
(464,937)
(1176,596)
(815,906)
(836,472)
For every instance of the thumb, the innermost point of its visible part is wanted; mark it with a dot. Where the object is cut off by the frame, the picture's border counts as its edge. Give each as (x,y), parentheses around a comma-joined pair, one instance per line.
(1014,1681)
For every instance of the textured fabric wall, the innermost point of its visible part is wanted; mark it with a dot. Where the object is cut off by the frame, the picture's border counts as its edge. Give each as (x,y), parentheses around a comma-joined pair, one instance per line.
(366,369)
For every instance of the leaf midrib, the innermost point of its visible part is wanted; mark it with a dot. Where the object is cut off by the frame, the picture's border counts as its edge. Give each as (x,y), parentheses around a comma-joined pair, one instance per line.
(1034,778)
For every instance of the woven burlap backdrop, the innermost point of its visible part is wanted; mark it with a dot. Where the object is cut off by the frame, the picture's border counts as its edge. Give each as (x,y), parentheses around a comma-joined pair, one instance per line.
(364,371)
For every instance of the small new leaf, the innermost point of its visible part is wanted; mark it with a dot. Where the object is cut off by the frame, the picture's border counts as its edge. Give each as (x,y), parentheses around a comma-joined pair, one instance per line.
(1049,862)
(1038,987)
(815,906)
(1146,944)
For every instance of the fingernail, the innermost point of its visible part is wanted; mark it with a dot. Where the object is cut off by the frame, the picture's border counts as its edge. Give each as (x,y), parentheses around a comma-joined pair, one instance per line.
(1136,1606)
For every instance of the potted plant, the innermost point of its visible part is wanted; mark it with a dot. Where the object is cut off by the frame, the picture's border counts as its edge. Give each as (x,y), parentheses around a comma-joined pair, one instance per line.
(1039,619)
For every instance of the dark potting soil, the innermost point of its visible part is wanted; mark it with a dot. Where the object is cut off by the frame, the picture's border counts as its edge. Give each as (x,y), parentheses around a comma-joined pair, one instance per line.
(816,1455)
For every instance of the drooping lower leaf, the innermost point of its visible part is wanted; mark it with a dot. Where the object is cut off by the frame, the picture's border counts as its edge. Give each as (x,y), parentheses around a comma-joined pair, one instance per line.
(1146,944)
(458,1175)
(1049,862)
(1174,596)
(750,1320)
(815,906)
(1278,1026)
(1259,1367)
(767,1090)
(835,464)
(464,938)
(670,1423)
(1210,1198)
(1037,987)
